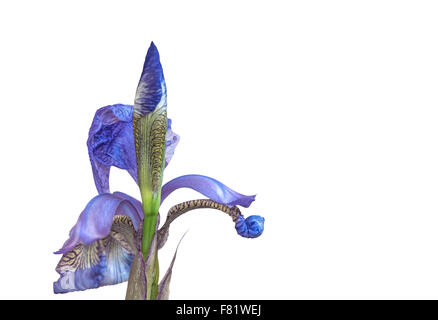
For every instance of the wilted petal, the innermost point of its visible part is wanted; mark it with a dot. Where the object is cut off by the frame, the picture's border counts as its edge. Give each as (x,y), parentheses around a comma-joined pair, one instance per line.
(111,143)
(96,220)
(209,187)
(251,227)
(103,262)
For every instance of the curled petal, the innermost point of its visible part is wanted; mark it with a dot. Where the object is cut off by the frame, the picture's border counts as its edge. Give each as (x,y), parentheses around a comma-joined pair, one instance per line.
(251,227)
(103,262)
(209,187)
(111,143)
(181,208)
(96,220)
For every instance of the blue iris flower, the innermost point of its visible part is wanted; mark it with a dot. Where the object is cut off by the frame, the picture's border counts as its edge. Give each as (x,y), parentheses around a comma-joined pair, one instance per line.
(102,244)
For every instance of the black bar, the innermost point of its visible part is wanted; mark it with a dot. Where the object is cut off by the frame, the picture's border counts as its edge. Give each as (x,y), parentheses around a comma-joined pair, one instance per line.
(225,309)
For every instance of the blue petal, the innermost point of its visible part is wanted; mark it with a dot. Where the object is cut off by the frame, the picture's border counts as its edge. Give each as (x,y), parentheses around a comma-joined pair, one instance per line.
(251,227)
(151,90)
(209,187)
(117,265)
(96,220)
(103,262)
(111,143)
(82,279)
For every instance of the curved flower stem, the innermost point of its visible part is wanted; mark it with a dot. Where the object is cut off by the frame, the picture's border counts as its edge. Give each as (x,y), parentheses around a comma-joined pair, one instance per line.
(181,208)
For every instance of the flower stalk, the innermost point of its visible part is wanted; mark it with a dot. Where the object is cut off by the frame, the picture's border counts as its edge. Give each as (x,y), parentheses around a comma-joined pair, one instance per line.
(150,127)
(116,237)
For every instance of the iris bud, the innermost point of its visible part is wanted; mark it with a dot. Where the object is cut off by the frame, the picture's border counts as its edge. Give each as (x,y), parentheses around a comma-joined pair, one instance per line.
(251,227)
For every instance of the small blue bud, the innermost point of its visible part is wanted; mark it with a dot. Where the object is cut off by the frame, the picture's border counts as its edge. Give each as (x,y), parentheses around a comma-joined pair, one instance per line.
(251,227)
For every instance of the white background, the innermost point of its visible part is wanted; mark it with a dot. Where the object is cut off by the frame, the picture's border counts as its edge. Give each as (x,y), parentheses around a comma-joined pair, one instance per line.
(327,110)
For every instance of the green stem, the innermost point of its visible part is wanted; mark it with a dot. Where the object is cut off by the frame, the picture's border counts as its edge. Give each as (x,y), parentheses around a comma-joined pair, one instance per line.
(149,226)
(151,204)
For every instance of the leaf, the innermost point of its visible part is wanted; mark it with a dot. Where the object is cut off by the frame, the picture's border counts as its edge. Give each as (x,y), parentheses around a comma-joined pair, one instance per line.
(163,287)
(151,268)
(137,279)
(143,273)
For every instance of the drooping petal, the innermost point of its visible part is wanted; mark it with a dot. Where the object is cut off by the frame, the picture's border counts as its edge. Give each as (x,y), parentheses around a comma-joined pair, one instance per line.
(209,187)
(103,262)
(96,220)
(111,143)
(251,227)
(181,208)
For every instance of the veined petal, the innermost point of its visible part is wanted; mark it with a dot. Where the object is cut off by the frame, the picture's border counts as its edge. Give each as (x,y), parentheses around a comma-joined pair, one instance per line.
(96,220)
(111,143)
(103,262)
(209,187)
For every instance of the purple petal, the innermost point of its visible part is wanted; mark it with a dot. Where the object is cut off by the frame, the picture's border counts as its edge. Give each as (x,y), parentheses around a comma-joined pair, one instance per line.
(209,187)
(111,143)
(96,220)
